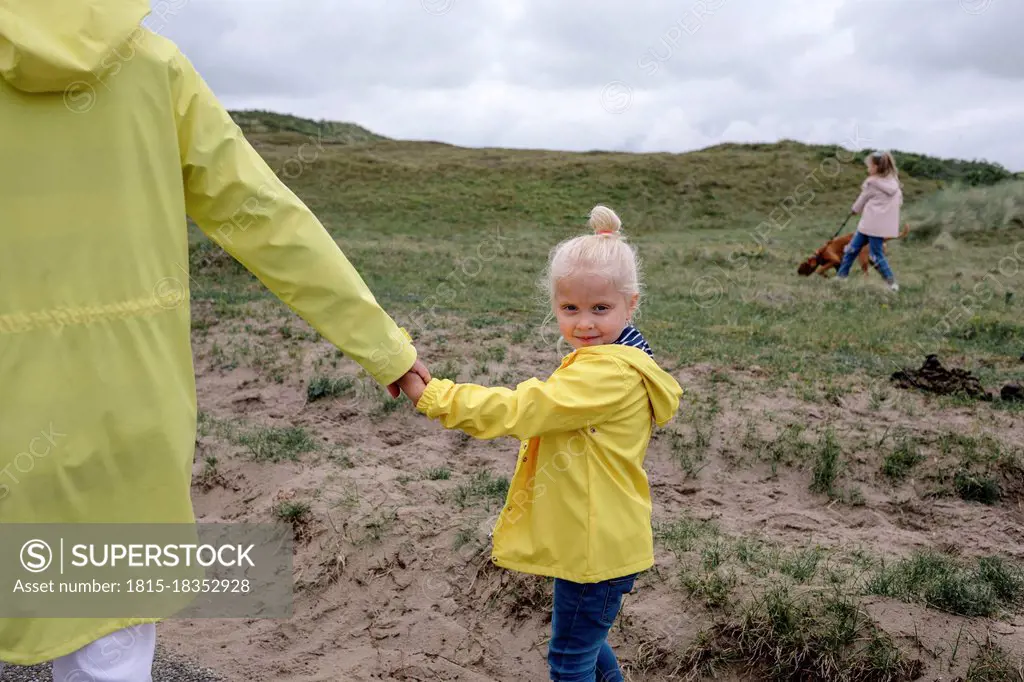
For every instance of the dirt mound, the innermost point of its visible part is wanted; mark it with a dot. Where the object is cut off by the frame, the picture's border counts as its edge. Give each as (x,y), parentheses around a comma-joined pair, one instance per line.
(934,378)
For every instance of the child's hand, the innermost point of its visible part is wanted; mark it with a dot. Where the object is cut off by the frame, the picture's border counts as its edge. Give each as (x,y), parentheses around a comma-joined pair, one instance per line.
(413,386)
(418,368)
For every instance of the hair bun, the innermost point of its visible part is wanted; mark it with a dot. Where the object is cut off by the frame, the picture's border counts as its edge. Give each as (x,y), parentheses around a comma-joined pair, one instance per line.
(603,220)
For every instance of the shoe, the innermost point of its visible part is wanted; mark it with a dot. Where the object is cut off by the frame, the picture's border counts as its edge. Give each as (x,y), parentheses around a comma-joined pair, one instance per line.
(894,286)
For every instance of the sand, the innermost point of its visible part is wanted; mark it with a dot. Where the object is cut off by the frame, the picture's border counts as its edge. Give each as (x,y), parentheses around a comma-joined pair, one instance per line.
(384,594)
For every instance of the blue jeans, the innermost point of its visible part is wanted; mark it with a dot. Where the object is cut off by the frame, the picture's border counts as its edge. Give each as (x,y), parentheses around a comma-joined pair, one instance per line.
(582,615)
(874,251)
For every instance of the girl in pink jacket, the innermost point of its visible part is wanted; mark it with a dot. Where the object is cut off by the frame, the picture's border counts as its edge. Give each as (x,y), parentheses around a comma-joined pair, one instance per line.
(879,205)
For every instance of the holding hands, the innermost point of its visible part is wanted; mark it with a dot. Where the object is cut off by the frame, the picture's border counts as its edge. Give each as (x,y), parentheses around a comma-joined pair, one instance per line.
(412,383)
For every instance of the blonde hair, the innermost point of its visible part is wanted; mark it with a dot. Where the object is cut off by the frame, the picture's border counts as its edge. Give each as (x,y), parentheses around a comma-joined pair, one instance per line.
(605,252)
(884,162)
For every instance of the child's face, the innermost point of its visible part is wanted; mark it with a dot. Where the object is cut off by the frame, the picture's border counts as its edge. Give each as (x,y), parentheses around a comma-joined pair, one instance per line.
(590,310)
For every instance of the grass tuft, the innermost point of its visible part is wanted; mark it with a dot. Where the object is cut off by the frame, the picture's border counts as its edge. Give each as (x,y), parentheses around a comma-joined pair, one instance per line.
(993,664)
(826,466)
(975,487)
(481,486)
(438,474)
(278,444)
(321,387)
(903,458)
(681,535)
(786,635)
(941,582)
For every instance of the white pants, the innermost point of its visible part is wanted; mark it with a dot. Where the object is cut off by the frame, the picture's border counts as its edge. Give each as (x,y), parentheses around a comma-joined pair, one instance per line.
(122,656)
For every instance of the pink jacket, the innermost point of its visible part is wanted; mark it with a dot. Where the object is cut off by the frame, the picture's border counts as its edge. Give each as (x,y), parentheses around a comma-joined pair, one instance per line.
(879,205)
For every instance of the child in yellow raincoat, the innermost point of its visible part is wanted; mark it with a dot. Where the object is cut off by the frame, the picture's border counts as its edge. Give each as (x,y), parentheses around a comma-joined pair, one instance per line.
(578,508)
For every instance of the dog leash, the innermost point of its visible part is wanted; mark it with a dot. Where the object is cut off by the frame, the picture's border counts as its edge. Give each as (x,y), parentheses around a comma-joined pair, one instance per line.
(843,225)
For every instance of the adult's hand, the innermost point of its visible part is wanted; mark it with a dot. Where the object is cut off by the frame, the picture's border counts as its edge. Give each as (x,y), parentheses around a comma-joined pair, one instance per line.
(418,371)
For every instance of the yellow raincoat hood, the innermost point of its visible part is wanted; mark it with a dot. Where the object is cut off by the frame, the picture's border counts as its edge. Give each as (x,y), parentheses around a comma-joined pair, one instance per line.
(663,391)
(578,506)
(48,45)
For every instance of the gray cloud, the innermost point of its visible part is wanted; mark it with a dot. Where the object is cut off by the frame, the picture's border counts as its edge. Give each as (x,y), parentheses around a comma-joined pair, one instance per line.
(967,36)
(269,48)
(921,75)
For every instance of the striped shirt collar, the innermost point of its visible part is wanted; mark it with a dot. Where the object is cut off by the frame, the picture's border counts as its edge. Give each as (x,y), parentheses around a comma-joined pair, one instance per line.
(631,336)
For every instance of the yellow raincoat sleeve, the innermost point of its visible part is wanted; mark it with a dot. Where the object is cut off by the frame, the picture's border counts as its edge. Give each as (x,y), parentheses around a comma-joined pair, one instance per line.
(238,201)
(583,394)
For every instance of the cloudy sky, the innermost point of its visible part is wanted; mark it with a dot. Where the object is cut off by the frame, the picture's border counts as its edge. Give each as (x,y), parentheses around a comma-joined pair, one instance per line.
(943,77)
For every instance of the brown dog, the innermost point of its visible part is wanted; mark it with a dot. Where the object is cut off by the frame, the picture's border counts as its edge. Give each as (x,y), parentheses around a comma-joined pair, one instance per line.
(830,256)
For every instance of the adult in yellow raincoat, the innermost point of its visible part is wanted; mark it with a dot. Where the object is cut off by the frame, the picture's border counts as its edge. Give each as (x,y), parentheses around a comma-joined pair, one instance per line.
(108,139)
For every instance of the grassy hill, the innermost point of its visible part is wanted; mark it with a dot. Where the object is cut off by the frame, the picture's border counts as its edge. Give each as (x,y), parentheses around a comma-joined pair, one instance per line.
(973,173)
(268,125)
(721,231)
